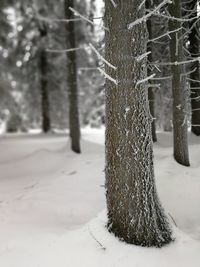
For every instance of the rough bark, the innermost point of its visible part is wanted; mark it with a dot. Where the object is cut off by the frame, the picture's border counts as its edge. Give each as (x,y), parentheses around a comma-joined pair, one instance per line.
(195,75)
(43,67)
(135,214)
(72,79)
(179,91)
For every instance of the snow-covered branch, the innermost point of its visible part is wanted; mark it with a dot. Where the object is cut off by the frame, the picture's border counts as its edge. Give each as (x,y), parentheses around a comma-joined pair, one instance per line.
(173,18)
(41,18)
(64,50)
(176,63)
(165,34)
(140,57)
(113,3)
(141,5)
(161,78)
(108,76)
(145,80)
(144,18)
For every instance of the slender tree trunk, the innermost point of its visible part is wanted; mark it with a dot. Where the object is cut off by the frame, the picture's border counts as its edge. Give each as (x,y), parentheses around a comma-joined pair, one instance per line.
(150,90)
(151,98)
(135,214)
(43,65)
(195,75)
(72,79)
(180,125)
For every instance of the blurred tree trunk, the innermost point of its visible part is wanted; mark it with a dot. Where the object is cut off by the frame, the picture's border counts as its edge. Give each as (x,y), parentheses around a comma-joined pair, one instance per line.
(180,125)
(43,67)
(72,79)
(195,75)
(135,214)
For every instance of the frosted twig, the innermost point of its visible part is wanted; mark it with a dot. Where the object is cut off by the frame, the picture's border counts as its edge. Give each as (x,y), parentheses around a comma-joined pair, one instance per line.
(140,6)
(161,78)
(192,80)
(144,18)
(189,72)
(176,63)
(41,18)
(139,58)
(173,18)
(88,68)
(165,34)
(195,109)
(172,219)
(145,79)
(64,50)
(184,121)
(92,235)
(76,13)
(108,76)
(101,57)
(114,4)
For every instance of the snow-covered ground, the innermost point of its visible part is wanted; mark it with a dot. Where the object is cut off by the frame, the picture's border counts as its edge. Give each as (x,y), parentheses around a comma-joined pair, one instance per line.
(51,203)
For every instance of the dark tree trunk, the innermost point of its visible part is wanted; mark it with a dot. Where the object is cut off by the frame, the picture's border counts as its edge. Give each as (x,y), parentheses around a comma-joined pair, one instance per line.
(43,67)
(195,75)
(180,125)
(151,96)
(72,79)
(135,214)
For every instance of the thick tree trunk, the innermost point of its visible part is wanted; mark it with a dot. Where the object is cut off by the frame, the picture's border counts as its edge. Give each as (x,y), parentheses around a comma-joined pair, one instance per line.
(43,65)
(195,75)
(180,125)
(72,80)
(134,211)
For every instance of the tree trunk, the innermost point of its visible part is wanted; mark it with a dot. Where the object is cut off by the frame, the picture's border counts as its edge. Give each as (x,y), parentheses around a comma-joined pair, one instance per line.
(43,65)
(72,79)
(195,75)
(180,125)
(151,96)
(135,214)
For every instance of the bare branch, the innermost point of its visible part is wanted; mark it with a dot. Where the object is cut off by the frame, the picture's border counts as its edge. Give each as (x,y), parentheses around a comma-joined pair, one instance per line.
(101,57)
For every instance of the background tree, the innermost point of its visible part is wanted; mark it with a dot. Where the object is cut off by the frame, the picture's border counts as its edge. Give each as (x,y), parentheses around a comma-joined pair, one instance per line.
(194,50)
(134,211)
(74,124)
(151,94)
(179,90)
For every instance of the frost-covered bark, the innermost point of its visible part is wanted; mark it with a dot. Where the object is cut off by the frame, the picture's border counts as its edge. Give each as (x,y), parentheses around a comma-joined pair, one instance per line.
(72,79)
(134,212)
(179,91)
(194,48)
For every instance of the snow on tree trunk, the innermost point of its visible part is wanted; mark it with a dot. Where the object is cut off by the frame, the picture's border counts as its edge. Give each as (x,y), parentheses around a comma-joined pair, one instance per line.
(195,75)
(179,91)
(43,67)
(135,214)
(72,79)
